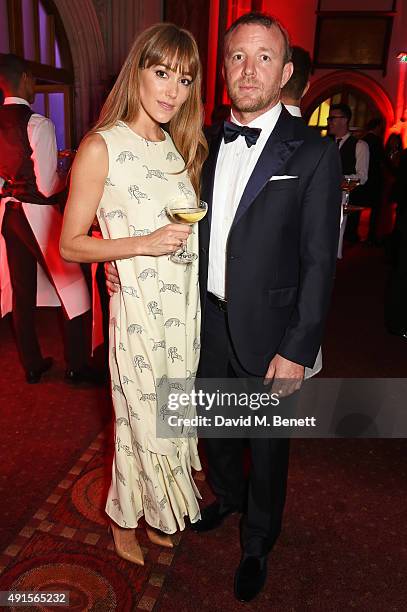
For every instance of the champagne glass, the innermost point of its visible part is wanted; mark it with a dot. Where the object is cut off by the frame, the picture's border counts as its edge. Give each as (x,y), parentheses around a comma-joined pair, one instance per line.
(349,183)
(185,211)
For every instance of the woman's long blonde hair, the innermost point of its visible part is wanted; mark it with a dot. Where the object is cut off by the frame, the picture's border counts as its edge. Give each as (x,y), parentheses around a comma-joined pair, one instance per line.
(163,43)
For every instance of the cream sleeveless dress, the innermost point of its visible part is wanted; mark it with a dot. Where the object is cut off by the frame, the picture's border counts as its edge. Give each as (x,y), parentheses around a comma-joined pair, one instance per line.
(154,335)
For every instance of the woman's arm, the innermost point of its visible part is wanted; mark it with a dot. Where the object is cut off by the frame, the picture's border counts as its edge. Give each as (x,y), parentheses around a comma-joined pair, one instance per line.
(89,172)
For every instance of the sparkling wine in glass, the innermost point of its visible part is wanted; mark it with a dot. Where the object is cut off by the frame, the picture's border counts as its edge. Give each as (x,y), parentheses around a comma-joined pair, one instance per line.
(188,212)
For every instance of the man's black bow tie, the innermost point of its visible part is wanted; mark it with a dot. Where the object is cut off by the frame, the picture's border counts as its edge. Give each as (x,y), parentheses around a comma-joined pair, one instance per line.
(231,131)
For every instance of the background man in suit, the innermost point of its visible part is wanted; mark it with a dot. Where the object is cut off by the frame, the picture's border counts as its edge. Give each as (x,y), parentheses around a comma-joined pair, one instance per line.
(298,84)
(267,258)
(354,157)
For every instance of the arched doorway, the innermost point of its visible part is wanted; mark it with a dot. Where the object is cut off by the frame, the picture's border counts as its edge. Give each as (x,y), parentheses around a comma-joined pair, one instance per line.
(366,98)
(361,106)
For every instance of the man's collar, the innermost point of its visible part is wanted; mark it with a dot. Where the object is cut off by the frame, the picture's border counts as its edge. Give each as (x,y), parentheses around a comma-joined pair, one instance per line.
(295,111)
(343,138)
(15,100)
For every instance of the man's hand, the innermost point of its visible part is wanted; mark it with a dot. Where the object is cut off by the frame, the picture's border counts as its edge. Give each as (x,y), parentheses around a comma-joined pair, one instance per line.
(287,376)
(112,279)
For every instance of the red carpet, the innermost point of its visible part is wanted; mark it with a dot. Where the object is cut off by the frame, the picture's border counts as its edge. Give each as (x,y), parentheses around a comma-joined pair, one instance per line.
(343,545)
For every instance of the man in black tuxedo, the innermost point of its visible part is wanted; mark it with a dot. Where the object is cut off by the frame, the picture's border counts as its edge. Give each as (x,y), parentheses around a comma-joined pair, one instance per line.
(267,259)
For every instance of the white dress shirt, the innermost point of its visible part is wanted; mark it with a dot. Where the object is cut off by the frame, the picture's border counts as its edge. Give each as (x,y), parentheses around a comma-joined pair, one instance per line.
(235,164)
(295,111)
(41,136)
(362,158)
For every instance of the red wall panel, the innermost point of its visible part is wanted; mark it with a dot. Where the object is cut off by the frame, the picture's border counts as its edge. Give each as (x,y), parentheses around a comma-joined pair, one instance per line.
(194,16)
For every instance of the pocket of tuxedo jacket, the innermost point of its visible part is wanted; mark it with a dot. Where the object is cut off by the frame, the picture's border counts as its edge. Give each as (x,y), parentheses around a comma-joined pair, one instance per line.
(285,296)
(275,183)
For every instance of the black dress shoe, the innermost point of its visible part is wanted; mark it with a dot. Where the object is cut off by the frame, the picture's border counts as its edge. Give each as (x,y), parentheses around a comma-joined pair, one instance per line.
(34,376)
(212,516)
(84,375)
(250,577)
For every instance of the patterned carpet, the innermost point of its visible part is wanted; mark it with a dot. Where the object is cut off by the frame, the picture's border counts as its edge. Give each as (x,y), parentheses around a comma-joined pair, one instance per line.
(66,546)
(342,547)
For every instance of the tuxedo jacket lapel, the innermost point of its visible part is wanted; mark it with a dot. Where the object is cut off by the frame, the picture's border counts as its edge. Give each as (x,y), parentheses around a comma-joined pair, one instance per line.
(277,151)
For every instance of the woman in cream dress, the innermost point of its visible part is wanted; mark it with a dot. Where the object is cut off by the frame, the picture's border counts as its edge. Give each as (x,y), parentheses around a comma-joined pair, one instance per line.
(126,171)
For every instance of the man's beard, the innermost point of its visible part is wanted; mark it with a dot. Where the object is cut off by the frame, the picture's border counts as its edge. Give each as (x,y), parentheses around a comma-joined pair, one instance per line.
(253,105)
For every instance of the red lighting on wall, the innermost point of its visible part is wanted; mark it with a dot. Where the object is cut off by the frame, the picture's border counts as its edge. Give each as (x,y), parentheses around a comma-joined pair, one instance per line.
(213,36)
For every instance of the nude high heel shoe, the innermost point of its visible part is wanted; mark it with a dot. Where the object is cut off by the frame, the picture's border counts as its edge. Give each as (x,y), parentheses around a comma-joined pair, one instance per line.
(126,545)
(162,539)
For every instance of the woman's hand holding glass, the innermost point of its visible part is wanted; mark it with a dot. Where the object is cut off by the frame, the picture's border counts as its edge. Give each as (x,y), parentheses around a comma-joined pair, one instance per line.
(163,241)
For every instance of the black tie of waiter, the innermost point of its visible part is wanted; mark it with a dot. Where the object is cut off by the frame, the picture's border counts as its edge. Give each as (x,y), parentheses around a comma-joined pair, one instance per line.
(231,131)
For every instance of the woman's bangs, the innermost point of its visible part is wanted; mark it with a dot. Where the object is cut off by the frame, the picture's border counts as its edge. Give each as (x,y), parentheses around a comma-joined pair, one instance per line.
(177,53)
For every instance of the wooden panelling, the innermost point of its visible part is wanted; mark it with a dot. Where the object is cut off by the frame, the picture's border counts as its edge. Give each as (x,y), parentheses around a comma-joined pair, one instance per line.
(15,26)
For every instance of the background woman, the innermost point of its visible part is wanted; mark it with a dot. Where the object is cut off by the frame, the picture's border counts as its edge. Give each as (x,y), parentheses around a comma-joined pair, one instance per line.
(126,171)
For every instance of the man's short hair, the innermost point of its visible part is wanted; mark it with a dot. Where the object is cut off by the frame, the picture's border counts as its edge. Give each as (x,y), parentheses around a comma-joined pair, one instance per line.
(344,108)
(266,20)
(301,59)
(12,68)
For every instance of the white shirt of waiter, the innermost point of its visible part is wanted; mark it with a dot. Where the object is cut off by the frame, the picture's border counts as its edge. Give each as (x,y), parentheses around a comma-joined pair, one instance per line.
(235,164)
(68,283)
